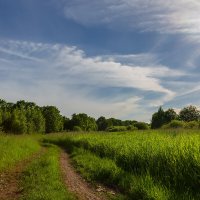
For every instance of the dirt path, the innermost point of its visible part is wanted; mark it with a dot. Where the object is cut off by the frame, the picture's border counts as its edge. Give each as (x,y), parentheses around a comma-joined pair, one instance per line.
(76,184)
(10,180)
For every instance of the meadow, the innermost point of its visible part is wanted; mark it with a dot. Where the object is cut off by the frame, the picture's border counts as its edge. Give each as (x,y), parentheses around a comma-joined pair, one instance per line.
(14,148)
(140,164)
(40,176)
(146,165)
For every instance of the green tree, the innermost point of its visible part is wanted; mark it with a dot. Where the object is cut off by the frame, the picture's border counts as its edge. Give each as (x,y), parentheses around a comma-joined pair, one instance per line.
(1,119)
(189,113)
(17,122)
(141,125)
(158,119)
(36,120)
(102,123)
(85,122)
(170,115)
(66,123)
(53,119)
(114,122)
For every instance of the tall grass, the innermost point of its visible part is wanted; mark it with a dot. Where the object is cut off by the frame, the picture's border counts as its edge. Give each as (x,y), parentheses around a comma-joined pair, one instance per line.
(170,159)
(105,170)
(16,148)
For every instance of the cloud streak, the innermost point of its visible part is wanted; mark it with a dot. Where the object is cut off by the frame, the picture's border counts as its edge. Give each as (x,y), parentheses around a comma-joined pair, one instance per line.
(64,76)
(157,15)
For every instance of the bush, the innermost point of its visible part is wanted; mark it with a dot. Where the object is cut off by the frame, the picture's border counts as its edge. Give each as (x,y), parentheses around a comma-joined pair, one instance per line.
(141,125)
(116,128)
(174,124)
(77,128)
(192,125)
(131,128)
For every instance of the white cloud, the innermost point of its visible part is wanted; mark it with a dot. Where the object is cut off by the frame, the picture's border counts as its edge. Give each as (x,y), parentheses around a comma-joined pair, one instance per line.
(167,16)
(64,76)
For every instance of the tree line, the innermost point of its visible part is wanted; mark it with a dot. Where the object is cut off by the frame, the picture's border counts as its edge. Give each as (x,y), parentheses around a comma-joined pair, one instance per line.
(26,117)
(188,117)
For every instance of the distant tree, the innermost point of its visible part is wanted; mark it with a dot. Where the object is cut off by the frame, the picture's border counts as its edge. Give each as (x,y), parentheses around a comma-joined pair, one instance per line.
(67,124)
(110,122)
(6,120)
(141,126)
(2,103)
(53,119)
(158,119)
(83,121)
(170,115)
(114,122)
(5,106)
(102,123)
(189,113)
(1,119)
(15,122)
(35,120)
(128,122)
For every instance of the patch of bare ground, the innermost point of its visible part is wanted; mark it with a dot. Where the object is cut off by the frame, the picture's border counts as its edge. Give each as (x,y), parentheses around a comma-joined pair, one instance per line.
(77,185)
(10,188)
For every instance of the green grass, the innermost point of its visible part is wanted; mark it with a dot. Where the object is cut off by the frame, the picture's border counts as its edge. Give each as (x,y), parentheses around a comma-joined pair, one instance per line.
(16,148)
(153,164)
(42,179)
(104,170)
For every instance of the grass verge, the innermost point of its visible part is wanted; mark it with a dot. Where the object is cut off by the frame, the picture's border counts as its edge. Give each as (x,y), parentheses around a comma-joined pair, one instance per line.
(42,179)
(16,148)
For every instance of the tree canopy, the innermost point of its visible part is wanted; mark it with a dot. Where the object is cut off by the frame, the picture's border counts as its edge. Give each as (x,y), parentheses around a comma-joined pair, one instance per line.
(189,113)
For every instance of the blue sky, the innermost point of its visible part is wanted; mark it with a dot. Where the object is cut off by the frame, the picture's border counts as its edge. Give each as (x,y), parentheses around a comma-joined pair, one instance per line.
(119,58)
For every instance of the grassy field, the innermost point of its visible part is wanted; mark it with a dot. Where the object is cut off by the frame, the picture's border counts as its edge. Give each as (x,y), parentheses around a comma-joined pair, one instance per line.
(16,148)
(42,178)
(142,165)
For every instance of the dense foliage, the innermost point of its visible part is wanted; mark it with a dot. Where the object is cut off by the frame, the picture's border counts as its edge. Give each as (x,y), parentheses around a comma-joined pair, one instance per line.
(83,121)
(22,117)
(171,119)
(53,119)
(27,117)
(189,113)
(162,117)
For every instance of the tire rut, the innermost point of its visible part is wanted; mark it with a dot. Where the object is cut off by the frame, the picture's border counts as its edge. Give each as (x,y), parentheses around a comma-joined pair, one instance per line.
(10,188)
(75,183)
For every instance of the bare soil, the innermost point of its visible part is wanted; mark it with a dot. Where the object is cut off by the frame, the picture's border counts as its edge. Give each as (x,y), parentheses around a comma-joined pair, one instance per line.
(76,184)
(10,188)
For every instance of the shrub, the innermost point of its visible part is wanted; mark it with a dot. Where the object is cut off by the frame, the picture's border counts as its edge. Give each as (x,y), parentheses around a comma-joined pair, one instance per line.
(116,128)
(192,125)
(174,124)
(141,125)
(77,128)
(131,128)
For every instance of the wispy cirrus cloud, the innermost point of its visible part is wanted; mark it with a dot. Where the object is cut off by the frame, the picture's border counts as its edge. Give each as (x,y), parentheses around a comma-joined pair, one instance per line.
(64,76)
(157,15)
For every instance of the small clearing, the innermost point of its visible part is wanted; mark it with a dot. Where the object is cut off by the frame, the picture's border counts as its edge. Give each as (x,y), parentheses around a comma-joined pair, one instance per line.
(10,179)
(76,184)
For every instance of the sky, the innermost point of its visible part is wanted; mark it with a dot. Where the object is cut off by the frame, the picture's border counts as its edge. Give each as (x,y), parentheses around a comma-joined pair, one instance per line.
(112,58)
